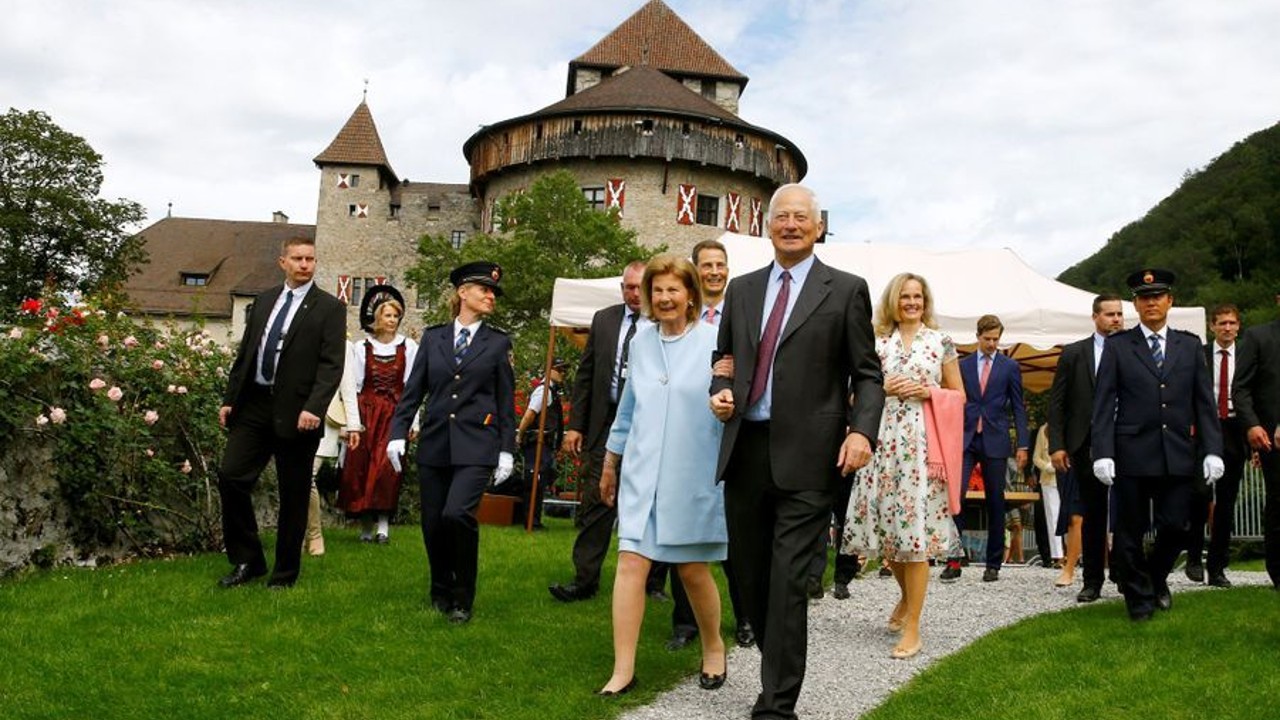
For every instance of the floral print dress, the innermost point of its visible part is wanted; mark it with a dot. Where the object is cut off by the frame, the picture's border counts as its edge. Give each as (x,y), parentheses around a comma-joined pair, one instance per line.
(896,510)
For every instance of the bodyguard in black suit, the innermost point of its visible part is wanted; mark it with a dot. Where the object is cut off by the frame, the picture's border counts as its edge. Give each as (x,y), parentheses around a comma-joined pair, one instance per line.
(286,371)
(1070,418)
(468,432)
(1154,419)
(1256,395)
(1224,321)
(800,336)
(595,402)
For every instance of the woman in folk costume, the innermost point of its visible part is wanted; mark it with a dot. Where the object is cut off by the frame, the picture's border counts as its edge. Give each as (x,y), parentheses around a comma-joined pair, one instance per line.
(899,507)
(379,365)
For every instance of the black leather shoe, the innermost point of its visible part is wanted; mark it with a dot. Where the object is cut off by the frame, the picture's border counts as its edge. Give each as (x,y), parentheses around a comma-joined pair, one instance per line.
(990,575)
(441,605)
(680,640)
(631,685)
(745,636)
(1088,594)
(279,584)
(1140,615)
(572,592)
(840,591)
(1219,580)
(814,587)
(459,616)
(241,574)
(949,574)
(1164,600)
(1195,573)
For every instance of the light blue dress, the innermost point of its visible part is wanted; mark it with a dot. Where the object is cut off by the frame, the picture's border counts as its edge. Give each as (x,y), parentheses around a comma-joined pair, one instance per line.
(670,507)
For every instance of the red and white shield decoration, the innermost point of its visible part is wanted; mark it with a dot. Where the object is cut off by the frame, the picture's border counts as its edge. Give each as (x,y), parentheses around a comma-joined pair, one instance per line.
(731,212)
(688,201)
(755,216)
(380,280)
(344,181)
(615,192)
(344,288)
(362,210)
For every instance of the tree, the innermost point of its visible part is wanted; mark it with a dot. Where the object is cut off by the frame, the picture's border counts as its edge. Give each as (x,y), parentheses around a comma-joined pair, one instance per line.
(550,231)
(56,234)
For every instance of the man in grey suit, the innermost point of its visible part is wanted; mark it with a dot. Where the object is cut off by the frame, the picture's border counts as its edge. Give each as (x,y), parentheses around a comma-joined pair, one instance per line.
(800,336)
(286,371)
(1256,396)
(1154,419)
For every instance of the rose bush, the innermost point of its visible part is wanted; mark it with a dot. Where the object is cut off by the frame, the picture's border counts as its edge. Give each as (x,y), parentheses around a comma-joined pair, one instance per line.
(134,463)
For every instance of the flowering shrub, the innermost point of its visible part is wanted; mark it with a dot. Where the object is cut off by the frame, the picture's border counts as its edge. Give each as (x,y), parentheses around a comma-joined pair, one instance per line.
(130,412)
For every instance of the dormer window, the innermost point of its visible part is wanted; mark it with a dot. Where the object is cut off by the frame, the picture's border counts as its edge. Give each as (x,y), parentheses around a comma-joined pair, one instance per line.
(195,279)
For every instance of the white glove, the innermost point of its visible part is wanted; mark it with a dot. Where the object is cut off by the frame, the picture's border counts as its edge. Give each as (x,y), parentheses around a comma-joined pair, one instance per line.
(503,471)
(1213,468)
(1105,470)
(395,451)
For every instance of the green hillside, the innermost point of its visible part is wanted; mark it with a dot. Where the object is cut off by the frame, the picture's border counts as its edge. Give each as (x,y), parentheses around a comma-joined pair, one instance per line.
(1219,231)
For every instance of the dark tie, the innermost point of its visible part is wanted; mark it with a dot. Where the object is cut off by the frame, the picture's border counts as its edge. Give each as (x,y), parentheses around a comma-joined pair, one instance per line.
(769,342)
(272,349)
(626,352)
(1224,386)
(1157,354)
(460,346)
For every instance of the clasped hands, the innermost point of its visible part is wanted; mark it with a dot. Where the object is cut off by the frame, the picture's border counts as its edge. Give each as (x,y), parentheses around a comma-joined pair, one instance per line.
(904,387)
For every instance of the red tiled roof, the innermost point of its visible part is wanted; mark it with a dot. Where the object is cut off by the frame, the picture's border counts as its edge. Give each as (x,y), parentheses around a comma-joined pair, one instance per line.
(639,89)
(239,258)
(357,143)
(657,37)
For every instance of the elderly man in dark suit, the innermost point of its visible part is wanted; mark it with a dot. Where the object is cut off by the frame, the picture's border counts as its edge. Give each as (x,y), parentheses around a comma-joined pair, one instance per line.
(1256,395)
(800,336)
(1155,427)
(286,371)
(596,388)
(1070,416)
(993,394)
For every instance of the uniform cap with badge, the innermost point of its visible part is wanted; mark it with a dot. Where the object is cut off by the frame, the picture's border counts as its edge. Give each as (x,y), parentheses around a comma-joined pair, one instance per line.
(481,273)
(1150,281)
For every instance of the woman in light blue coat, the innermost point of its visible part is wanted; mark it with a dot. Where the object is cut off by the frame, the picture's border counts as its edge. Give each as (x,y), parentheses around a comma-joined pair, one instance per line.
(670,508)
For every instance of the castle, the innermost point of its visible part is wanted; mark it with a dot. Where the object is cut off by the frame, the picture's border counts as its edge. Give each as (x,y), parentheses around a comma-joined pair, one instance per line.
(648,125)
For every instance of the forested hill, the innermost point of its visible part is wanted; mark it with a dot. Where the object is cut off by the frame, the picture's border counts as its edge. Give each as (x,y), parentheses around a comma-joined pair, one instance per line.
(1219,231)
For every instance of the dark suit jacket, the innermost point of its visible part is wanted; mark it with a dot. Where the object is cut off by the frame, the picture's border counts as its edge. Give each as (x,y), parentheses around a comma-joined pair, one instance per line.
(1071,398)
(592,414)
(825,352)
(309,367)
(1255,389)
(1155,421)
(471,408)
(1002,397)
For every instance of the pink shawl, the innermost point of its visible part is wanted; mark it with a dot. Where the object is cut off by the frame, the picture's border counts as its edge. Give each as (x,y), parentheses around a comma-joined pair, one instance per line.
(944,430)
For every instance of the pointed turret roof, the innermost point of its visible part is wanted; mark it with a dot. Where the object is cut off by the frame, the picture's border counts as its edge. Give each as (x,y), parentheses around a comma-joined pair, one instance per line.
(357,143)
(657,37)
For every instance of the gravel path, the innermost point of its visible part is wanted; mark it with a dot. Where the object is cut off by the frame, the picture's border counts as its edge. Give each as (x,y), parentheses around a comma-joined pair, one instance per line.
(849,668)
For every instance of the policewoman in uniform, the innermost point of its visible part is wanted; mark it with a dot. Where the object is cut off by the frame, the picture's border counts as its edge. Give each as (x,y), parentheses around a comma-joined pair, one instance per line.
(463,371)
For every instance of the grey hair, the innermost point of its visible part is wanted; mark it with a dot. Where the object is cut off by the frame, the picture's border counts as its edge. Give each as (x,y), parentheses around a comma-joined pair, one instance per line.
(815,206)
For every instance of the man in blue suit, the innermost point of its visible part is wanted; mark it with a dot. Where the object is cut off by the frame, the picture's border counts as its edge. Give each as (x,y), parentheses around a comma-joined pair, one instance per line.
(993,394)
(1154,418)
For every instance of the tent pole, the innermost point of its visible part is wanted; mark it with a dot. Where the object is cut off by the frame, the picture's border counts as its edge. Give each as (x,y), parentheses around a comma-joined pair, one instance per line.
(542,425)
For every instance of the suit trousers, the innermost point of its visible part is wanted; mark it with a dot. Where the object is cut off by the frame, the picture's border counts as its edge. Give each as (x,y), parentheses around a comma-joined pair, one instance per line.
(847,566)
(1223,496)
(1141,575)
(993,474)
(450,531)
(1095,498)
(251,443)
(595,522)
(772,532)
(1271,512)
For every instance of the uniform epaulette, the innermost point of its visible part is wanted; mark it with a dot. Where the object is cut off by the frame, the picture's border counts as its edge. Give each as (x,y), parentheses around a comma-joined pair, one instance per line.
(496,329)
(1188,333)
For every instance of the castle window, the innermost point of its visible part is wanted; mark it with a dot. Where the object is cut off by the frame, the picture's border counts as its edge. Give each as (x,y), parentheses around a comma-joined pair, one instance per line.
(433,207)
(685,129)
(195,279)
(577,127)
(456,238)
(595,197)
(645,126)
(354,181)
(421,301)
(358,286)
(537,131)
(739,140)
(358,210)
(709,89)
(347,181)
(708,210)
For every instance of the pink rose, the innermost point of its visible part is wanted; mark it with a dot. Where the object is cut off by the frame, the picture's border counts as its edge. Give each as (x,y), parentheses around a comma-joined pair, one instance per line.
(150,452)
(104,342)
(171,389)
(41,420)
(182,389)
(57,415)
(150,417)
(115,393)
(157,365)
(130,342)
(186,467)
(97,384)
(159,345)
(15,333)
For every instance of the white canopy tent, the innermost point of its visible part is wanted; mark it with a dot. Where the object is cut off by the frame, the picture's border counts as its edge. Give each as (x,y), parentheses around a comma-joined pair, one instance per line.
(1039,313)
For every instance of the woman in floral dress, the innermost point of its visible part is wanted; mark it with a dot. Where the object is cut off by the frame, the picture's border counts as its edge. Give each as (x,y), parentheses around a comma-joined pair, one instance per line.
(897,510)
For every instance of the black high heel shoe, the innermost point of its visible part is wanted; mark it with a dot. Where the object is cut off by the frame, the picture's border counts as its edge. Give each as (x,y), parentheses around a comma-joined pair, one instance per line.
(631,685)
(714,682)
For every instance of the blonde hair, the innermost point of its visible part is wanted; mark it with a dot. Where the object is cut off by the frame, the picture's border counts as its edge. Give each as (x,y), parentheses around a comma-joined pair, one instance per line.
(887,318)
(683,270)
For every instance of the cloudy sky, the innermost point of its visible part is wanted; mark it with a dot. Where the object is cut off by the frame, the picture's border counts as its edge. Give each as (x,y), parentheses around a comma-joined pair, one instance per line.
(1043,126)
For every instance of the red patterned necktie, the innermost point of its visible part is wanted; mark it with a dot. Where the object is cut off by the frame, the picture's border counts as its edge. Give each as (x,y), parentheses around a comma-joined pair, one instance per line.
(769,342)
(1224,385)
